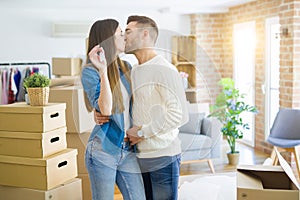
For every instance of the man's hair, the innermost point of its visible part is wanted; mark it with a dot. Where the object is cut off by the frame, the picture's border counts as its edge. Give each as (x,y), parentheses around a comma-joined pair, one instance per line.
(146,22)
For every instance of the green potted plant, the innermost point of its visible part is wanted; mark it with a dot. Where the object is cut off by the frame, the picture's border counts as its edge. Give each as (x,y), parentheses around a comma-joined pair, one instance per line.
(228,108)
(37,87)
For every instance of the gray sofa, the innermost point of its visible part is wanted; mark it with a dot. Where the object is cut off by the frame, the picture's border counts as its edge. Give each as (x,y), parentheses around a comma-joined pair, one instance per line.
(201,137)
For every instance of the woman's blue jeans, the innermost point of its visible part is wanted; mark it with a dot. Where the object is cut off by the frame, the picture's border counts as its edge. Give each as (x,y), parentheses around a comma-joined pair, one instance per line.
(105,170)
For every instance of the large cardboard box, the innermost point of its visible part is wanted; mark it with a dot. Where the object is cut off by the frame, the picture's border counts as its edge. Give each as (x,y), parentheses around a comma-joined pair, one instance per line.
(78,118)
(35,145)
(267,182)
(79,142)
(38,173)
(25,118)
(65,81)
(70,190)
(66,66)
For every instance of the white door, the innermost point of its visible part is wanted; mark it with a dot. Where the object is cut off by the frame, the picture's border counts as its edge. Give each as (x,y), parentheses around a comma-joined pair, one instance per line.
(271,86)
(244,37)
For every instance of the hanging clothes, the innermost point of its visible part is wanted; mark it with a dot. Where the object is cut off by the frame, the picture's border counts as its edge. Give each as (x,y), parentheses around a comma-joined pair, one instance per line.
(17,79)
(12,77)
(12,89)
(4,87)
(25,73)
(35,70)
(1,86)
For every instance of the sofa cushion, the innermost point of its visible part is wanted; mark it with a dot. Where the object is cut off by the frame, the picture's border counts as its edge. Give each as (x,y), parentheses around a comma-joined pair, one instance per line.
(194,141)
(194,123)
(198,154)
(206,127)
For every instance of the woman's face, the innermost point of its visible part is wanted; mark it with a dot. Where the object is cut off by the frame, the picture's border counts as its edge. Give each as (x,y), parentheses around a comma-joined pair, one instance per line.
(119,40)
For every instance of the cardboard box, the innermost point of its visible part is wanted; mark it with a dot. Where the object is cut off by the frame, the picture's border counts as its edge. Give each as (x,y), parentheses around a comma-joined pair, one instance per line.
(36,173)
(86,186)
(78,118)
(192,95)
(70,190)
(267,182)
(35,145)
(65,81)
(66,66)
(79,142)
(25,118)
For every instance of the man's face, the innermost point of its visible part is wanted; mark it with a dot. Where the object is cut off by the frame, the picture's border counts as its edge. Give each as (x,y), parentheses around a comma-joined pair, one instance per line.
(133,38)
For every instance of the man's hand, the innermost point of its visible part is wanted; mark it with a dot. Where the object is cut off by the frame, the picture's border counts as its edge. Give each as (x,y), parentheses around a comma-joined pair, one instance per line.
(132,135)
(100,119)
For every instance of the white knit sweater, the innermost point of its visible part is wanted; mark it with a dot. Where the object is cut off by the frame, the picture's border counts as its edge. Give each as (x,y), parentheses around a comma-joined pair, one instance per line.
(159,106)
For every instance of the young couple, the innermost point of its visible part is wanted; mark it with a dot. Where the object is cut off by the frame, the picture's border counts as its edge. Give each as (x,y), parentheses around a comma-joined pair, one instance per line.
(139,111)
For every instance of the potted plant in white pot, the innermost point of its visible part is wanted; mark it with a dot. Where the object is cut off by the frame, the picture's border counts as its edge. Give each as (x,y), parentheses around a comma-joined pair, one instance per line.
(228,108)
(37,87)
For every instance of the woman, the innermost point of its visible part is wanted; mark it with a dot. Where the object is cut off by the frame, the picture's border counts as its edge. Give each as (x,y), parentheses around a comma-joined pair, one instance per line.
(106,81)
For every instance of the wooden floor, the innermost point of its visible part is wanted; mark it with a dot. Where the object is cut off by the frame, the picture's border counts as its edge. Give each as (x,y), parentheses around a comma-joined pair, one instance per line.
(248,156)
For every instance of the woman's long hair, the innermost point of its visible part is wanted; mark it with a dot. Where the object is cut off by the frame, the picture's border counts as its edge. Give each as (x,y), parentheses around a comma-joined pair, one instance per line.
(102,32)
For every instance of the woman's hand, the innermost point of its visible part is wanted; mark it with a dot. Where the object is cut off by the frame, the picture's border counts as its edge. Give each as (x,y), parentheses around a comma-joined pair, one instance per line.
(97,57)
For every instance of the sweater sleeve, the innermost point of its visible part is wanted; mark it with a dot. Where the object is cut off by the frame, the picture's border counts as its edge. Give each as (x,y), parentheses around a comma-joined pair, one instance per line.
(165,116)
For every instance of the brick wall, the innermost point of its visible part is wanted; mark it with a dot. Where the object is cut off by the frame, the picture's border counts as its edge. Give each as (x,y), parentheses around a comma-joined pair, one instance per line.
(290,54)
(215,59)
(208,29)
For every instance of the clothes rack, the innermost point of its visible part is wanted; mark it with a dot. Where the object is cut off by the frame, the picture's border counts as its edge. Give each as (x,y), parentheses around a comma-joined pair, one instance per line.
(28,64)
(12,77)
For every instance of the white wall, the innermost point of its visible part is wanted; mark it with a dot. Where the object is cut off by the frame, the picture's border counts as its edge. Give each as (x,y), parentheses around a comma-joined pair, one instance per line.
(25,35)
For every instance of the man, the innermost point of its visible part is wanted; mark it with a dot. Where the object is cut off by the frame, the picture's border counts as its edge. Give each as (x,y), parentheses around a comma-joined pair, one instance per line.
(158,110)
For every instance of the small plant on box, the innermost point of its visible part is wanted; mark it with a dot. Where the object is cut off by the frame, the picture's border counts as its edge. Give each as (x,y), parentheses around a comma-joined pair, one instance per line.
(37,86)
(36,80)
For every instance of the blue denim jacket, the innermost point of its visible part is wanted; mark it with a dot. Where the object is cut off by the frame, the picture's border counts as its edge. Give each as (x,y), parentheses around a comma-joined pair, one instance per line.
(112,133)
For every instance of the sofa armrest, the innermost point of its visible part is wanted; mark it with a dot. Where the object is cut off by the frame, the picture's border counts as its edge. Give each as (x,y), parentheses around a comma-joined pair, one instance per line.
(212,127)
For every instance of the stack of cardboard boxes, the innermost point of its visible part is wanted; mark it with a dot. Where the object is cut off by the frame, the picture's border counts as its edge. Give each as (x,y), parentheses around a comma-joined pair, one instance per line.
(79,120)
(35,162)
